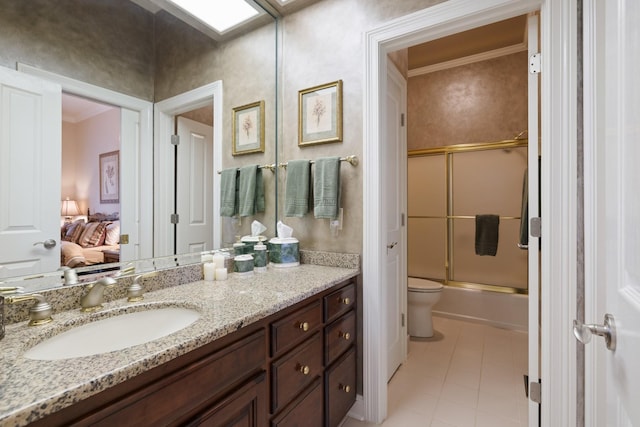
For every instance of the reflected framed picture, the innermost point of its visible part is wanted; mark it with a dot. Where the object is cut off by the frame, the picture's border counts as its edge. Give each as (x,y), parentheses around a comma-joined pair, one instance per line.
(248,129)
(320,114)
(110,177)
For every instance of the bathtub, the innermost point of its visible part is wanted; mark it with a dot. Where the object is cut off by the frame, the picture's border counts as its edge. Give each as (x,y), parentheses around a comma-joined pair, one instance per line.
(509,311)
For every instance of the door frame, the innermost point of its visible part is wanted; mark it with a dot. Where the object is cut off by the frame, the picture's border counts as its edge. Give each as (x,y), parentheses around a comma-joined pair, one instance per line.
(164,157)
(142,210)
(558,124)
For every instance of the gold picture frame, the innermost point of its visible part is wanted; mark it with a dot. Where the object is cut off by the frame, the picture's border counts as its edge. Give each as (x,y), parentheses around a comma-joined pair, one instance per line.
(110,177)
(320,114)
(248,129)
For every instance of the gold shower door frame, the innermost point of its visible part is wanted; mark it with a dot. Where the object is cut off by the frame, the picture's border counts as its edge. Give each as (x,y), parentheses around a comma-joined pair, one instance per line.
(448,152)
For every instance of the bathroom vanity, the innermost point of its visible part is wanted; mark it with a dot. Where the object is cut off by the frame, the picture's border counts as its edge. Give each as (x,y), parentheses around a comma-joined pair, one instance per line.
(274,349)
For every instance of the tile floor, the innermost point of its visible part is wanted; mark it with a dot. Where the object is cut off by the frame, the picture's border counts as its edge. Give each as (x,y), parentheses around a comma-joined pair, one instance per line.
(468,375)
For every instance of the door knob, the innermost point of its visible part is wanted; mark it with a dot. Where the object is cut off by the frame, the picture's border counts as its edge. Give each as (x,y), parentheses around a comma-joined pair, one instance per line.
(48,244)
(583,332)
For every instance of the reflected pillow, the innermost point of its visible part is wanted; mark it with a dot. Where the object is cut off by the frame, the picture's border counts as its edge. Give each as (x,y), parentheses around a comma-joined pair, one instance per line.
(113,233)
(73,230)
(92,234)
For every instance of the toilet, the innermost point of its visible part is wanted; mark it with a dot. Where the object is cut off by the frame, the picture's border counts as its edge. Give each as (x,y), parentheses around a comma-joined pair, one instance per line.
(422,296)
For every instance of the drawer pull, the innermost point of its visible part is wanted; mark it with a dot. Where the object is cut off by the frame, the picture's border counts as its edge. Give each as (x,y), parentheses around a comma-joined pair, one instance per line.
(344,388)
(345,335)
(304,326)
(304,369)
(345,301)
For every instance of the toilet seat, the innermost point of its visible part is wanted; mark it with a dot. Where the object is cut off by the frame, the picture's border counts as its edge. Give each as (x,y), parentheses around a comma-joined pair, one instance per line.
(423,286)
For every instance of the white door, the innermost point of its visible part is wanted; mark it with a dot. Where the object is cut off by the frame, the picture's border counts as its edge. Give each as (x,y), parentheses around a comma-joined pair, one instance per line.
(30,162)
(395,202)
(194,187)
(613,377)
(533,197)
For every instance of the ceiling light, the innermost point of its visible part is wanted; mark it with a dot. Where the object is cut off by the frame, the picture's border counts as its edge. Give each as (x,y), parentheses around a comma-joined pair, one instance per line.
(219,14)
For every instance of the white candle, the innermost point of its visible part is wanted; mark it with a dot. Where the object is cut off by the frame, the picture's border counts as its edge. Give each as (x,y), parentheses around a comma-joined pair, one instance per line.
(218,260)
(221,273)
(209,271)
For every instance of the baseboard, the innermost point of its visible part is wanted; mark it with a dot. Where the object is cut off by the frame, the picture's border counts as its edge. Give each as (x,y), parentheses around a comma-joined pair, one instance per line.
(357,410)
(497,324)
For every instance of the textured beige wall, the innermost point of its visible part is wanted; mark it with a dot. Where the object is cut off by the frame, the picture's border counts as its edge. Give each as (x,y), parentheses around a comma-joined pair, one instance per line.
(106,43)
(481,102)
(321,44)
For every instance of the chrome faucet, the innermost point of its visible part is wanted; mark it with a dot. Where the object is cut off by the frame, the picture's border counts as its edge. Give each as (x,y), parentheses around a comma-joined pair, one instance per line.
(41,311)
(135,290)
(93,298)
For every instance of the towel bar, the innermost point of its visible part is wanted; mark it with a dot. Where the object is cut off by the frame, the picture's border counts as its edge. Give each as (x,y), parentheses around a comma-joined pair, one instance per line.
(271,167)
(353,160)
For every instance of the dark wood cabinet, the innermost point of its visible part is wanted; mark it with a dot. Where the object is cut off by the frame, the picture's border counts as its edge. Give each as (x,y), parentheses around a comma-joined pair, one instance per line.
(293,368)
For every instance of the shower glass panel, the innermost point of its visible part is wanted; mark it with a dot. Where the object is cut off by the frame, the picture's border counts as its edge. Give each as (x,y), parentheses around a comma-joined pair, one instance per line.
(488,182)
(427,225)
(447,188)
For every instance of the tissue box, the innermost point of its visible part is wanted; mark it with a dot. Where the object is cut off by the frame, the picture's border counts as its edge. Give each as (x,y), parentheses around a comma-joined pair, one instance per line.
(284,252)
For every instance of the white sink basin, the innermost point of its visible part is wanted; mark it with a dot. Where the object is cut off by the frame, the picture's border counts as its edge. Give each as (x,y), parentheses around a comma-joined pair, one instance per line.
(113,333)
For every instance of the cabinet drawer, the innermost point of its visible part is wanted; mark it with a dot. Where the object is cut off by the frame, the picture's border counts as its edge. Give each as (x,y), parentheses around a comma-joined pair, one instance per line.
(294,371)
(304,411)
(339,302)
(339,336)
(340,388)
(295,327)
(190,389)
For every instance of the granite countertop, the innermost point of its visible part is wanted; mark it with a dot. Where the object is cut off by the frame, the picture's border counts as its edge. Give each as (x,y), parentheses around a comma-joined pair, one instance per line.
(31,389)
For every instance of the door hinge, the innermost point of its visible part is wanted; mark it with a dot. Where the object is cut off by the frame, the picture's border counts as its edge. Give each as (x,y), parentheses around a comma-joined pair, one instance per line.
(402,319)
(175,139)
(535,225)
(533,390)
(402,219)
(402,119)
(175,218)
(535,63)
(124,239)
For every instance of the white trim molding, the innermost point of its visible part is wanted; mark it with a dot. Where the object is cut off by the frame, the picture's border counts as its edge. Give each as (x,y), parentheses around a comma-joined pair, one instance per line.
(164,191)
(479,57)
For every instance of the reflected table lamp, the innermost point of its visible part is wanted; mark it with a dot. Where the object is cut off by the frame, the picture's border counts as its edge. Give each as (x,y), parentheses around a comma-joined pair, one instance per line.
(69,209)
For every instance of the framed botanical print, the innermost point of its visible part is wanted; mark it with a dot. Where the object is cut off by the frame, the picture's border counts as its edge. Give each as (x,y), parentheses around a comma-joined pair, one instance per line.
(110,177)
(248,129)
(320,114)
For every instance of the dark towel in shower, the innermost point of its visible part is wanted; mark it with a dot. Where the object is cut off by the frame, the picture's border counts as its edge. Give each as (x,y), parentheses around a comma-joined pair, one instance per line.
(487,234)
(524,213)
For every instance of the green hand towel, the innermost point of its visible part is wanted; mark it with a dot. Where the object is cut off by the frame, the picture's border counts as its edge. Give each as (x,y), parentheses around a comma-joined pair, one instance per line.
(228,192)
(247,190)
(297,189)
(326,187)
(260,206)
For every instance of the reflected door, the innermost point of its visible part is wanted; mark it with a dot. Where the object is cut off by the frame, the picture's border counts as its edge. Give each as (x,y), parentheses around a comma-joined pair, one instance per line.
(194,186)
(30,162)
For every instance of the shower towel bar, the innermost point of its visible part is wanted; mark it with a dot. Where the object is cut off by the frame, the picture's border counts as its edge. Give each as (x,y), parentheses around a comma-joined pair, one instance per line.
(353,160)
(457,217)
(271,167)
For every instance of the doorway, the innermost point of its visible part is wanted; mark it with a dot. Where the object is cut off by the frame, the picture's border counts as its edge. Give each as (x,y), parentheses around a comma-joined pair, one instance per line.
(165,159)
(558,260)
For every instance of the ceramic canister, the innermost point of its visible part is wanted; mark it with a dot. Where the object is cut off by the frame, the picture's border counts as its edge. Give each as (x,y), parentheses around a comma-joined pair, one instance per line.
(243,264)
(284,252)
(260,257)
(242,248)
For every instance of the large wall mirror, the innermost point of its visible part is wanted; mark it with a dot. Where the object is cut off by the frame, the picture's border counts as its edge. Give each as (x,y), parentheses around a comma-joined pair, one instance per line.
(110,159)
